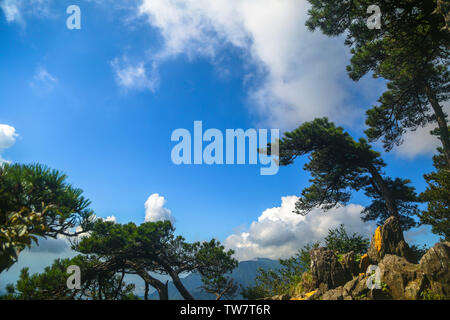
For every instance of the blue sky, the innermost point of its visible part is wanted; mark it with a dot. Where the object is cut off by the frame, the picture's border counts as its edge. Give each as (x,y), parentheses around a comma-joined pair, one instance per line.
(101,103)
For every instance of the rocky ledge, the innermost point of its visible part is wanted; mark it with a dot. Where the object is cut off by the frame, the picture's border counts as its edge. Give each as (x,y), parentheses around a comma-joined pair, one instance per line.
(385,272)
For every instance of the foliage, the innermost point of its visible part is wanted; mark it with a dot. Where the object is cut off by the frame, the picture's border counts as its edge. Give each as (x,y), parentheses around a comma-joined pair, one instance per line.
(221,286)
(339,165)
(36,201)
(437,196)
(417,252)
(407,206)
(428,294)
(212,263)
(339,241)
(51,283)
(410,51)
(152,247)
(19,231)
(272,282)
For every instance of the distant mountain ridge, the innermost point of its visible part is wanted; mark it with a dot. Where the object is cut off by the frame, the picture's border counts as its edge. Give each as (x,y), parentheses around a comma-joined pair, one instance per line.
(244,275)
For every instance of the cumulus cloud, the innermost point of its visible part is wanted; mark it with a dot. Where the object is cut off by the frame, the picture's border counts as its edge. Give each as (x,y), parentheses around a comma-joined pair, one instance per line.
(280,233)
(155,211)
(303,72)
(420,141)
(135,76)
(8,137)
(110,219)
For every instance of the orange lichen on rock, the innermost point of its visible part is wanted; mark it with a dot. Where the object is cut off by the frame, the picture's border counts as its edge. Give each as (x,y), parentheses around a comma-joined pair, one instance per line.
(377,239)
(307,295)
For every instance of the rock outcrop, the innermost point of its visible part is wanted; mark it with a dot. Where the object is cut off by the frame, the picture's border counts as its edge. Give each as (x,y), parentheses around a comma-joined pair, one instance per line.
(404,280)
(385,272)
(435,264)
(350,265)
(388,239)
(327,272)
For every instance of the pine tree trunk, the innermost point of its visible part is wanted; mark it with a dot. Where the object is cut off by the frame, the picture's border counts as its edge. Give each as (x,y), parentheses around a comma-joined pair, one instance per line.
(160,287)
(442,122)
(179,285)
(146,291)
(384,190)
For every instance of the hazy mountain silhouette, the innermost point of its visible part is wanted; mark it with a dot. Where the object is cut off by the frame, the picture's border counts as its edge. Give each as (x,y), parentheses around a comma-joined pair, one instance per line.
(243,275)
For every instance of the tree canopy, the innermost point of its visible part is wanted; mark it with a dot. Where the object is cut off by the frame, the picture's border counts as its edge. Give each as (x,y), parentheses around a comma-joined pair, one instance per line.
(410,51)
(437,197)
(152,247)
(339,165)
(340,241)
(36,201)
(97,283)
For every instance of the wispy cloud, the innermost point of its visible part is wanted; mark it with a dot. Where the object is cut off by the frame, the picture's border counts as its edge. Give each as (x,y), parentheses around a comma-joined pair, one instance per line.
(135,76)
(420,141)
(299,75)
(43,81)
(11,10)
(15,11)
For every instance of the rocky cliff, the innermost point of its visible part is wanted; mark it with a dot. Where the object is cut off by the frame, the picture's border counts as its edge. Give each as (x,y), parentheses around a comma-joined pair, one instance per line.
(385,272)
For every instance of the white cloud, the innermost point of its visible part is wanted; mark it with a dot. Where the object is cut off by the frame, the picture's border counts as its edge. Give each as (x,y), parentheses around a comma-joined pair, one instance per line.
(16,10)
(88,233)
(280,233)
(420,142)
(8,137)
(11,10)
(303,73)
(43,81)
(155,211)
(110,219)
(135,76)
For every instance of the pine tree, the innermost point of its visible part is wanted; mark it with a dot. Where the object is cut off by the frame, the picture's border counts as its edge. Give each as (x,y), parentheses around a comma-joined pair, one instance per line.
(411,51)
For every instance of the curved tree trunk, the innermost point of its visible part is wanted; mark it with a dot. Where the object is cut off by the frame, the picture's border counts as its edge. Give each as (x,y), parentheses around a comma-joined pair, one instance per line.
(382,187)
(179,285)
(442,122)
(160,287)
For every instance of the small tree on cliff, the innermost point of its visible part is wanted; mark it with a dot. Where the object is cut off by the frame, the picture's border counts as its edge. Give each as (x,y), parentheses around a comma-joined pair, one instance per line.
(339,165)
(272,282)
(340,241)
